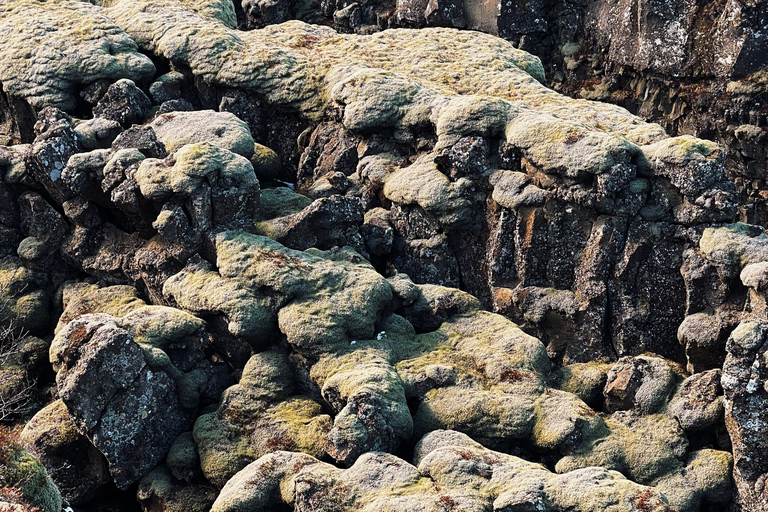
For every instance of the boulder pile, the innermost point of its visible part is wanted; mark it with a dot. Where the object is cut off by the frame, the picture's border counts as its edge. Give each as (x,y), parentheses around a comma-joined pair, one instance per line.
(299,268)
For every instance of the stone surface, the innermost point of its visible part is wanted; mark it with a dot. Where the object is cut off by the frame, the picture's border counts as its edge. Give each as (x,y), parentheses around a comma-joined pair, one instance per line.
(744,385)
(454,472)
(441,242)
(76,467)
(107,373)
(51,49)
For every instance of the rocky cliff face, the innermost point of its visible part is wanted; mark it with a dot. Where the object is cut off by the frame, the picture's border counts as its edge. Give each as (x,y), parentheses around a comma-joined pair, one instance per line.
(270,267)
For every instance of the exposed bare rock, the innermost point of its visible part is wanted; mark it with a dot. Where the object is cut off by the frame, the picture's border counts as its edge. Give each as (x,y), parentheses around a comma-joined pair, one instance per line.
(744,382)
(107,374)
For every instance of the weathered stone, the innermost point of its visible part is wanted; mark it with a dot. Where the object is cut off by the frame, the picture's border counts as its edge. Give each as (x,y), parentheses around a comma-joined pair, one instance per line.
(642,383)
(76,467)
(221,129)
(107,373)
(123,102)
(142,138)
(698,402)
(744,384)
(74,43)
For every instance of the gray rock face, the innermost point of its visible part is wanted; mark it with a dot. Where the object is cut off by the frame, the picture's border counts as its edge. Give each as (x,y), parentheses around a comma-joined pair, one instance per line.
(744,383)
(698,402)
(130,401)
(123,102)
(407,164)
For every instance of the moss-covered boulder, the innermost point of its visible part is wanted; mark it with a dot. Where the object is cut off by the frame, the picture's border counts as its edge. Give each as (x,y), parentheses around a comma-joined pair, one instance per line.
(76,467)
(83,298)
(258,280)
(22,301)
(261,414)
(221,129)
(222,182)
(451,472)
(22,473)
(159,490)
(132,384)
(52,49)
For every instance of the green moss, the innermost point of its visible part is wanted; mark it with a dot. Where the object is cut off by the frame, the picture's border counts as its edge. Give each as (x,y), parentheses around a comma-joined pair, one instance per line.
(83,298)
(585,380)
(424,185)
(250,314)
(160,326)
(705,478)
(268,376)
(182,459)
(279,202)
(223,449)
(201,130)
(735,244)
(265,162)
(561,416)
(306,427)
(193,165)
(24,471)
(159,490)
(644,448)
(255,274)
(53,424)
(21,301)
(74,43)
(682,150)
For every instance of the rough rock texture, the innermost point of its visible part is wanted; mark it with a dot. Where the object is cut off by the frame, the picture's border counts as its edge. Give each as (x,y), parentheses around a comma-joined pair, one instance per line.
(695,68)
(76,467)
(744,381)
(52,49)
(438,216)
(108,371)
(259,415)
(291,245)
(451,471)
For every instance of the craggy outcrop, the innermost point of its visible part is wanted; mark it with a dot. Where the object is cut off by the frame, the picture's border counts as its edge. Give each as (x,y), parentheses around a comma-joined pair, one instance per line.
(146,365)
(272,249)
(695,68)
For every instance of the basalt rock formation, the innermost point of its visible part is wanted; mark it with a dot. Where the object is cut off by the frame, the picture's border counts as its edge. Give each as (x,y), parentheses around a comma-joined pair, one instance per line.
(299,268)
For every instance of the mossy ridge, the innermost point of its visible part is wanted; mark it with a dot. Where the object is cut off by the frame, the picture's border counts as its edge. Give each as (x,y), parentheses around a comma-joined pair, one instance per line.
(402,65)
(83,298)
(74,43)
(307,290)
(500,389)
(452,473)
